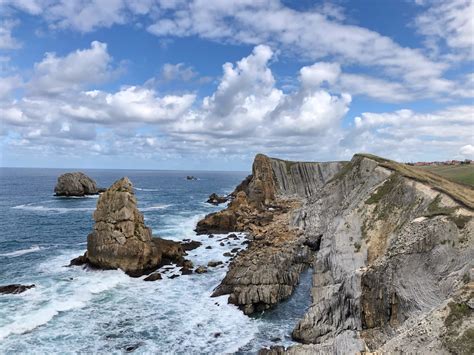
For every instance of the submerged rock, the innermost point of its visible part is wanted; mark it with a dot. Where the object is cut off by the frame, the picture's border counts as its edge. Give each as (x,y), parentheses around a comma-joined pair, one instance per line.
(14,288)
(153,277)
(214,263)
(76,184)
(121,240)
(201,269)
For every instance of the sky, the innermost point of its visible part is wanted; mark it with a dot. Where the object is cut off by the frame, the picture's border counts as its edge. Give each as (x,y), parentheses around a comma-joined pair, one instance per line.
(207,84)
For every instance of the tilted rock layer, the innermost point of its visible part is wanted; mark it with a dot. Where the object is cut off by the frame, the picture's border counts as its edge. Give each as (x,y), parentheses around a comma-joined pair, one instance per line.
(121,240)
(268,271)
(392,249)
(76,184)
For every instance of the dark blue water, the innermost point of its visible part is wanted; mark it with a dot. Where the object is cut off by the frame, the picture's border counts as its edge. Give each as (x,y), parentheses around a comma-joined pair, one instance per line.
(73,310)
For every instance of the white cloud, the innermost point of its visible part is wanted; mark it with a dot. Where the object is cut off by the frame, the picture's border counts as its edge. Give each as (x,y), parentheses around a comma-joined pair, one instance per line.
(177,72)
(407,135)
(450,21)
(6,39)
(253,22)
(55,75)
(467,151)
(30,6)
(8,84)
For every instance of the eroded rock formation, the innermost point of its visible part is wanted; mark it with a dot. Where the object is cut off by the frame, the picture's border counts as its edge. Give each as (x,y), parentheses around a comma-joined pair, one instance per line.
(263,205)
(76,184)
(392,249)
(121,240)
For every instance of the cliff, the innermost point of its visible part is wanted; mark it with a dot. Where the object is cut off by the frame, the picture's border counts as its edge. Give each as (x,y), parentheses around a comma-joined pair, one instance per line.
(391,247)
(264,204)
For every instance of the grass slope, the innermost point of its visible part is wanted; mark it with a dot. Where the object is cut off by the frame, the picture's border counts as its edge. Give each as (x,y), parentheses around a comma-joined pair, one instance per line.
(463,194)
(463,174)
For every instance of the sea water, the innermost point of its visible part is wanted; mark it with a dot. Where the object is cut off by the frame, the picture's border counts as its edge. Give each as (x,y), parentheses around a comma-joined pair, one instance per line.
(74,310)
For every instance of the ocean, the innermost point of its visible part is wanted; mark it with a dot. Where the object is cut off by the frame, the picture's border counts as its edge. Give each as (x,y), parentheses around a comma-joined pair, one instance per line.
(74,310)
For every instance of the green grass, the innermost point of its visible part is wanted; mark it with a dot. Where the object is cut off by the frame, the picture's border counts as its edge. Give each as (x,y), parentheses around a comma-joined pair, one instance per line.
(461,193)
(457,311)
(383,190)
(463,174)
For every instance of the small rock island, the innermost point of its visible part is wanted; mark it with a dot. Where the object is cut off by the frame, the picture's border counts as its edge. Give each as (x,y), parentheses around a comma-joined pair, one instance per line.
(121,240)
(76,184)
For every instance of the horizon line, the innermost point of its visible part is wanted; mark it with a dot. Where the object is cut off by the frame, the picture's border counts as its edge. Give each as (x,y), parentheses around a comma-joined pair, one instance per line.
(137,169)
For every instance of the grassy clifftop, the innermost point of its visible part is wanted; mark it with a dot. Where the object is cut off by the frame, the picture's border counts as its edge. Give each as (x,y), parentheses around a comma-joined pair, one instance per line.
(463,194)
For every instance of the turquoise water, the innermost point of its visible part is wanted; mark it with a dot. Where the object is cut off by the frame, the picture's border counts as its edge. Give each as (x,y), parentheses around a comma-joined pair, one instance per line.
(74,310)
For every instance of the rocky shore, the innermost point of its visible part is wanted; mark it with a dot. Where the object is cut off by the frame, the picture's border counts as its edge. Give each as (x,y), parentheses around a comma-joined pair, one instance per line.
(391,247)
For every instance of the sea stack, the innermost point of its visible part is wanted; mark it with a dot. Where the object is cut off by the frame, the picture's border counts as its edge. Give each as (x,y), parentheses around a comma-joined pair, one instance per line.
(76,184)
(121,240)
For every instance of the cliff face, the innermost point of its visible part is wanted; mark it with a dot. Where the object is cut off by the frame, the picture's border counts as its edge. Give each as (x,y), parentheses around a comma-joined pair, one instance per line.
(264,204)
(392,250)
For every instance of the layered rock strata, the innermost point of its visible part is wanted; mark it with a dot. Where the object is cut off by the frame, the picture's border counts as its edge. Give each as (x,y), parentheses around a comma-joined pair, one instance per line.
(263,206)
(393,273)
(76,184)
(121,240)
(392,249)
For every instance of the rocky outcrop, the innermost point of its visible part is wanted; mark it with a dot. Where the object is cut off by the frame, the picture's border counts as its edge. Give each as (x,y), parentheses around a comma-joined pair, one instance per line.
(14,288)
(121,240)
(76,184)
(215,199)
(263,206)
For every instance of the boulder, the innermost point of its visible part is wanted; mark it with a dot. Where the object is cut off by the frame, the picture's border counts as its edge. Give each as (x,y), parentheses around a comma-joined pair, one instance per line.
(14,289)
(76,184)
(191,245)
(153,277)
(200,270)
(214,263)
(215,199)
(121,240)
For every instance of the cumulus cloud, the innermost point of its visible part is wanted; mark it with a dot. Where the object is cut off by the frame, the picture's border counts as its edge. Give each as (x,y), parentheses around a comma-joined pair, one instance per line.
(248,103)
(247,112)
(55,75)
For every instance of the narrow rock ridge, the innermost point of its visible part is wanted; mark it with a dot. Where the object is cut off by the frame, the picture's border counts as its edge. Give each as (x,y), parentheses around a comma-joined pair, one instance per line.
(121,240)
(263,206)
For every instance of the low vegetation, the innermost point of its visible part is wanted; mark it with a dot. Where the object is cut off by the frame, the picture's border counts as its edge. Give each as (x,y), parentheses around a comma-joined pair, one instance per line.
(461,193)
(463,174)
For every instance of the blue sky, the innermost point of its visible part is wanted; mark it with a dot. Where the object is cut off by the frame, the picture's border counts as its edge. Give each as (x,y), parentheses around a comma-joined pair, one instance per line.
(208,84)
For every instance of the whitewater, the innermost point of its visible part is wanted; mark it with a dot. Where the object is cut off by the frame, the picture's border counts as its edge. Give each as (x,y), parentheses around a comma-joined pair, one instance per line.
(73,310)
